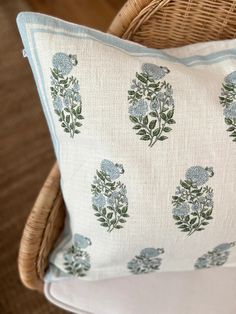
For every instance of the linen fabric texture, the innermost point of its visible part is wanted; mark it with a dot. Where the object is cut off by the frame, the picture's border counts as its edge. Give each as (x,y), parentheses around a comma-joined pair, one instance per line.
(145,140)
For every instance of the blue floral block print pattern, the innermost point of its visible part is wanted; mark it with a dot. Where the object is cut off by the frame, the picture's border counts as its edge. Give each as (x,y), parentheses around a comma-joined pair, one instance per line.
(151,104)
(109,199)
(147,261)
(193,200)
(217,257)
(65,93)
(76,259)
(228,100)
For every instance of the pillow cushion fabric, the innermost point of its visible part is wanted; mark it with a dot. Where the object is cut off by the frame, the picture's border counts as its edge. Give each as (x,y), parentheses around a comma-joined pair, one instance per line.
(146,145)
(210,291)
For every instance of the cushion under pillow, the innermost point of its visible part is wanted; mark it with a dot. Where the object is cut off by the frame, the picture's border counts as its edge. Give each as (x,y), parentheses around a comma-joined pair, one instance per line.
(146,145)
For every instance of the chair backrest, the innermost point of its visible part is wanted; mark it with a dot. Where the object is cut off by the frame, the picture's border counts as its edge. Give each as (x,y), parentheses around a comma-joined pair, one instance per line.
(172,23)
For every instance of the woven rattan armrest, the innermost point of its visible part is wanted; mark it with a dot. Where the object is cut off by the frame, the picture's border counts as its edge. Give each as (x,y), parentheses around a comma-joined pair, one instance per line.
(41,231)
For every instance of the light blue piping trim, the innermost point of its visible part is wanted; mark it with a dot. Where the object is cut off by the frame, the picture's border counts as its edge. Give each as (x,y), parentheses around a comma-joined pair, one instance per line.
(126,46)
(189,61)
(46,109)
(46,106)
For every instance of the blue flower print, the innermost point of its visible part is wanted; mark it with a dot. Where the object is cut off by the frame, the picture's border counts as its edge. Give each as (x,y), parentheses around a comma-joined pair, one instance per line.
(112,199)
(154,71)
(224,246)
(169,92)
(65,93)
(81,241)
(68,97)
(99,200)
(138,109)
(217,257)
(57,103)
(63,62)
(193,201)
(76,259)
(155,104)
(231,78)
(151,104)
(181,210)
(147,261)
(161,96)
(111,169)
(230,111)
(170,102)
(198,175)
(76,87)
(151,252)
(196,206)
(109,200)
(228,101)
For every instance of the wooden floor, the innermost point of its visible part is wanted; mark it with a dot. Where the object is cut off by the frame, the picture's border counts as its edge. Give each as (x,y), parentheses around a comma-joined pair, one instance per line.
(26,153)
(93,13)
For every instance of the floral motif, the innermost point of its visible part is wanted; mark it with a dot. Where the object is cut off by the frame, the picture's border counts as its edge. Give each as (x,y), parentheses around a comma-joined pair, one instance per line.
(63,62)
(99,201)
(197,175)
(228,101)
(181,210)
(109,199)
(230,111)
(217,257)
(147,261)
(193,202)
(76,259)
(112,170)
(151,104)
(65,93)
(139,109)
(231,78)
(154,71)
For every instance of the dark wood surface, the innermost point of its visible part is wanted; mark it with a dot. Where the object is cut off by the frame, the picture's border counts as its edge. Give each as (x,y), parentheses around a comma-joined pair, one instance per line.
(93,13)
(26,153)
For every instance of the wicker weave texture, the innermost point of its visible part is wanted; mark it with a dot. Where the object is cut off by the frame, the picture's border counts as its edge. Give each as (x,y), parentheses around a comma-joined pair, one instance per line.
(173,23)
(153,23)
(42,229)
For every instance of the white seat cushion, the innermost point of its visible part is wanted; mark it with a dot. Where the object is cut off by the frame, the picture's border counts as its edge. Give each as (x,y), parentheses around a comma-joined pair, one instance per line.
(210,291)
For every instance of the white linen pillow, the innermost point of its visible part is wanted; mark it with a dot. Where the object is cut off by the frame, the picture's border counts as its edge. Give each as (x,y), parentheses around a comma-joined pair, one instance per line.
(145,140)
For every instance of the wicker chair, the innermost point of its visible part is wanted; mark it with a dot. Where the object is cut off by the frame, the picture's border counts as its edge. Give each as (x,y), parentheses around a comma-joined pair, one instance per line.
(153,23)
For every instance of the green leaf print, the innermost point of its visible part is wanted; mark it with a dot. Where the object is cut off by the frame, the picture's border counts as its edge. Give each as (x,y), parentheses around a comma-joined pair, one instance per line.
(109,200)
(193,201)
(147,261)
(228,101)
(65,93)
(216,257)
(151,104)
(76,259)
